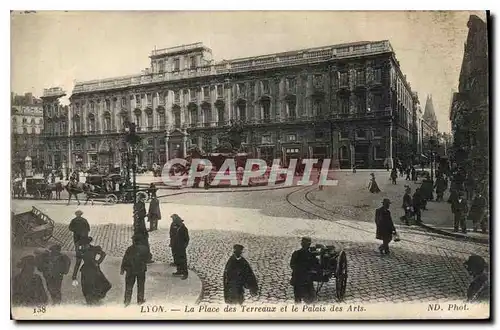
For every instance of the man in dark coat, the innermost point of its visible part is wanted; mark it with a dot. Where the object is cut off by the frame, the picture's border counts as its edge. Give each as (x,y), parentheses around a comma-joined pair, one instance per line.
(394,175)
(140,214)
(238,275)
(477,212)
(385,226)
(79,227)
(54,265)
(460,209)
(303,263)
(417,203)
(27,287)
(154,213)
(441,185)
(134,264)
(179,240)
(413,174)
(140,229)
(479,289)
(407,205)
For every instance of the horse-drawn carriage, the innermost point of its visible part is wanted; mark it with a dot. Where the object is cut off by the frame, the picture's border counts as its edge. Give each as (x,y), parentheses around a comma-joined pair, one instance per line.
(32,226)
(35,186)
(332,264)
(110,188)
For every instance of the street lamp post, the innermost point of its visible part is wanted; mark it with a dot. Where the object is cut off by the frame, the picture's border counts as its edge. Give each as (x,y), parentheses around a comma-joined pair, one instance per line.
(132,139)
(432,141)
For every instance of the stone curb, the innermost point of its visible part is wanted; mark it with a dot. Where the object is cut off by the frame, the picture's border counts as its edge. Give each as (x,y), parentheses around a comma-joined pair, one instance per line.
(480,240)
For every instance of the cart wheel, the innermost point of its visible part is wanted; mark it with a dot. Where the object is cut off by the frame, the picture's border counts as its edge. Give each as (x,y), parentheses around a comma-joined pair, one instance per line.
(111,199)
(341,276)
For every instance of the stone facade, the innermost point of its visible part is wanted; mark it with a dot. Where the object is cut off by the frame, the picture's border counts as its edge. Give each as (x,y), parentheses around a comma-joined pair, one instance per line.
(26,127)
(347,102)
(470,108)
(55,133)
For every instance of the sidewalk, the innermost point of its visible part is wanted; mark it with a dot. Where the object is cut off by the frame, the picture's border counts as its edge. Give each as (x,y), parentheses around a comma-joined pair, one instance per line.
(161,286)
(439,219)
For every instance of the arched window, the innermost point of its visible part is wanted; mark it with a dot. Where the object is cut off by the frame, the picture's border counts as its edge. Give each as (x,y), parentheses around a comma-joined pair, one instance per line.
(107,122)
(33,130)
(149,120)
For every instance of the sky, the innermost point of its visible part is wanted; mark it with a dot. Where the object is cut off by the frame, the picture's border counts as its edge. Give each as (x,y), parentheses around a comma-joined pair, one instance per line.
(57,48)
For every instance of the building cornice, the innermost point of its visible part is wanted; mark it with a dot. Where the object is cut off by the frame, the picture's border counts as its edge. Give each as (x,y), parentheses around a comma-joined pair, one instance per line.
(309,56)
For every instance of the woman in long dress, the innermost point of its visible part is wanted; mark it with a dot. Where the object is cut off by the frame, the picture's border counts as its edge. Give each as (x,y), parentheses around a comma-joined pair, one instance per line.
(95,285)
(373,186)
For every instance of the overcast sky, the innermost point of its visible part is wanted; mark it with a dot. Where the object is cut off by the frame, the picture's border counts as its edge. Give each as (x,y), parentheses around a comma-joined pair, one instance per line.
(56,48)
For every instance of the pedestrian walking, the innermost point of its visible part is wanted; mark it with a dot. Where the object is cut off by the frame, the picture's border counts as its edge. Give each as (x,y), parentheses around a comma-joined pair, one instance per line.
(179,240)
(394,175)
(152,190)
(470,185)
(373,186)
(154,213)
(354,168)
(238,275)
(140,214)
(413,174)
(459,208)
(408,173)
(477,213)
(417,203)
(320,186)
(479,288)
(80,228)
(303,263)
(441,185)
(94,283)
(134,264)
(385,226)
(27,287)
(54,265)
(407,205)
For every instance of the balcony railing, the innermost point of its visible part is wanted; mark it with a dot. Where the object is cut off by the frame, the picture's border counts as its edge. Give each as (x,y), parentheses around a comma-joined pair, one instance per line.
(301,57)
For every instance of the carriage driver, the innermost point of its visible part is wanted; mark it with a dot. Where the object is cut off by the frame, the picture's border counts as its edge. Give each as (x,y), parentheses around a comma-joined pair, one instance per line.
(303,264)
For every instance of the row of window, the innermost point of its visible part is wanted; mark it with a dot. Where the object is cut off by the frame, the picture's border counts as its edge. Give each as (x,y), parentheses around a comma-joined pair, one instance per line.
(25,121)
(359,77)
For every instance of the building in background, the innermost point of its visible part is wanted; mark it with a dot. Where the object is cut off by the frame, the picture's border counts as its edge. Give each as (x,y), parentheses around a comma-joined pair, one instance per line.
(470,109)
(348,102)
(26,129)
(55,132)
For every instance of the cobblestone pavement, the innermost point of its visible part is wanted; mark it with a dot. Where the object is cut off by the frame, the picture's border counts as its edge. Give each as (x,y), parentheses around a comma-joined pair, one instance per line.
(269,224)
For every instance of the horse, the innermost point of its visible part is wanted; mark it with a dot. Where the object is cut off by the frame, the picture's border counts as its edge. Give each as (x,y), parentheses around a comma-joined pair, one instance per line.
(75,188)
(57,187)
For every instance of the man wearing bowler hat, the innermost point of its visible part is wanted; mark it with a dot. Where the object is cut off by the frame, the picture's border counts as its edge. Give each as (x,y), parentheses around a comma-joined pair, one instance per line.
(238,275)
(385,226)
(80,228)
(303,264)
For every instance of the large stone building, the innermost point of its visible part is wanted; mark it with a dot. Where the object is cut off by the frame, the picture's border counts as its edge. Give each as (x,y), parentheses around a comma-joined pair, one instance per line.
(348,102)
(56,134)
(470,109)
(26,127)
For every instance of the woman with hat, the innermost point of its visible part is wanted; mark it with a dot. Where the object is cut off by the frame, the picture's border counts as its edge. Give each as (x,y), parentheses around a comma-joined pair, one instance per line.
(27,287)
(373,186)
(95,285)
